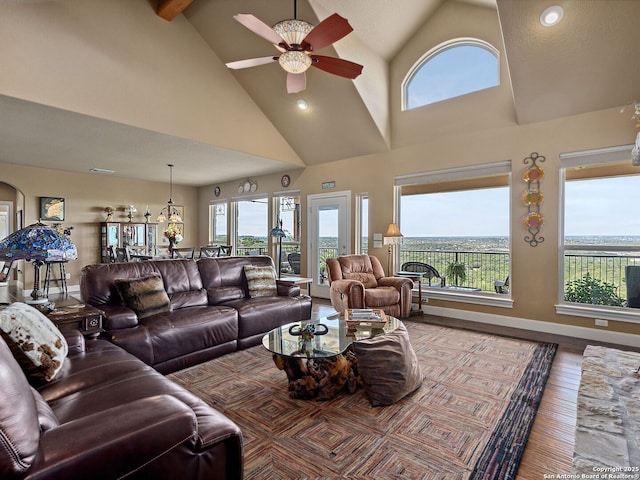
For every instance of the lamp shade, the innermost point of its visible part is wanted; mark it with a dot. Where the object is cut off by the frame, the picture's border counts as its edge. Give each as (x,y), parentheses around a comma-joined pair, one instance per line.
(37,242)
(277,231)
(393,235)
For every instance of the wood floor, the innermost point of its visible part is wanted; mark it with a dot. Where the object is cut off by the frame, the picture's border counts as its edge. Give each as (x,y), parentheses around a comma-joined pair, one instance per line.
(549,449)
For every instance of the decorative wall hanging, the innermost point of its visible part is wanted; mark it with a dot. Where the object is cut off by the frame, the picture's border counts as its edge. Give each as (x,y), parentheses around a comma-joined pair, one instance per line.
(532,197)
(52,209)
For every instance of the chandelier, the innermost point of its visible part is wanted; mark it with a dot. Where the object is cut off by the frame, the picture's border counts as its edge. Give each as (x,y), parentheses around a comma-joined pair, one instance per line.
(170,211)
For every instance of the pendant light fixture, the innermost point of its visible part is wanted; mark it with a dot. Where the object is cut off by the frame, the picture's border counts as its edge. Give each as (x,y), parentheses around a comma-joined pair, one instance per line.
(170,211)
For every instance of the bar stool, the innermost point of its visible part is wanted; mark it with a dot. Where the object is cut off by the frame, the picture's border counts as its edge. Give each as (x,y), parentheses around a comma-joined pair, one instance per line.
(62,279)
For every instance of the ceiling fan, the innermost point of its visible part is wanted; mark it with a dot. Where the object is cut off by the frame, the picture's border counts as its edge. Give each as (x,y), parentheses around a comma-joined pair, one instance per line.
(297,41)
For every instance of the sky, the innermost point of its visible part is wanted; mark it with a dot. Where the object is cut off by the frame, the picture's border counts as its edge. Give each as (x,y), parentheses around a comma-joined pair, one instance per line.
(606,206)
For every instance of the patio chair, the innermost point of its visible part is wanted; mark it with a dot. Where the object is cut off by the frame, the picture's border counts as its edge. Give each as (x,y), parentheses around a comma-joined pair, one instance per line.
(359,281)
(501,286)
(294,262)
(426,270)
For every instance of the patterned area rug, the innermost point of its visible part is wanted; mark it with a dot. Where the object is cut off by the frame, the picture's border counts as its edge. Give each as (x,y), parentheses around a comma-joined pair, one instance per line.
(469,420)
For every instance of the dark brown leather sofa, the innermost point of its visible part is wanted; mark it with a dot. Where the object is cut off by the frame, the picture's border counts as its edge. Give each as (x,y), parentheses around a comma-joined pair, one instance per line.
(107,415)
(212,312)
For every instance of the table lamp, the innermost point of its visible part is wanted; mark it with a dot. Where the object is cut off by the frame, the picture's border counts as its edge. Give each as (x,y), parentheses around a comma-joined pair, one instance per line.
(37,243)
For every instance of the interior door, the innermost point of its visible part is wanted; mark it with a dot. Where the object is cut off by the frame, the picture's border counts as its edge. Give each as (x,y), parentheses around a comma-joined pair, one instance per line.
(329,231)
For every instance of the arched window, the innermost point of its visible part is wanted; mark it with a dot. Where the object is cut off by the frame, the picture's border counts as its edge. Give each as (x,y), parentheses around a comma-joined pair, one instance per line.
(450,70)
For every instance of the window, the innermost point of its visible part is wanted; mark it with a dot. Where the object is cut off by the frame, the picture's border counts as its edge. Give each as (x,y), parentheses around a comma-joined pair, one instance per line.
(218,223)
(600,241)
(458,222)
(451,70)
(287,209)
(251,226)
(362,224)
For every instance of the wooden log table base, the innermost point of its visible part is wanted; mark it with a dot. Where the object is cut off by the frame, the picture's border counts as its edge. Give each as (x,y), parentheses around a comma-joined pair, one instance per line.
(320,378)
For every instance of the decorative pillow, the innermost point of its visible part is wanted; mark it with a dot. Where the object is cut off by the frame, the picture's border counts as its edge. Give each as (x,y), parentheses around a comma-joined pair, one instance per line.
(261,281)
(36,343)
(144,295)
(388,366)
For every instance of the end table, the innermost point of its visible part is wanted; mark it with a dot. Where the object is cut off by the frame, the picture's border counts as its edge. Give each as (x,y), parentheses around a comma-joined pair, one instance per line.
(82,317)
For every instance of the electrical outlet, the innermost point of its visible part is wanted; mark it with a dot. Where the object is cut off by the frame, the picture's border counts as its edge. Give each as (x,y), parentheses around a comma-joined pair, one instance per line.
(602,323)
(67,276)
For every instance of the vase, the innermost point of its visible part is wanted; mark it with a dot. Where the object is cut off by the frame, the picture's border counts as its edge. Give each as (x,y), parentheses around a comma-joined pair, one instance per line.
(172,244)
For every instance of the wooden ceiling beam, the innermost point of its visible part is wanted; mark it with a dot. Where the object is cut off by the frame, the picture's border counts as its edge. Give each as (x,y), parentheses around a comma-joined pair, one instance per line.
(169,9)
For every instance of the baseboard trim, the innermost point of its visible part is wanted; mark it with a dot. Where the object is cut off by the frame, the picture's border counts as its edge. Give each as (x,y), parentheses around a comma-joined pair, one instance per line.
(598,335)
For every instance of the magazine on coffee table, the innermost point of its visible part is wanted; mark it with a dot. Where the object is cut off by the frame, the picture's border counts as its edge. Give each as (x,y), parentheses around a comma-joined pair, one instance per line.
(370,317)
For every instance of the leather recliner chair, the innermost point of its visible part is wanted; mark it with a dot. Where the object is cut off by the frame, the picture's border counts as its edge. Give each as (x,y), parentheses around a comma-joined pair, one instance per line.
(359,281)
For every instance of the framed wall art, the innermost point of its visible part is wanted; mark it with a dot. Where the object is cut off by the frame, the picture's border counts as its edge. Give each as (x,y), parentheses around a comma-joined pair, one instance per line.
(52,209)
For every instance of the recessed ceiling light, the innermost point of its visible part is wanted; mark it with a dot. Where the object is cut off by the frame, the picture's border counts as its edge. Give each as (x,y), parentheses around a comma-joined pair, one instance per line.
(551,16)
(302,105)
(101,170)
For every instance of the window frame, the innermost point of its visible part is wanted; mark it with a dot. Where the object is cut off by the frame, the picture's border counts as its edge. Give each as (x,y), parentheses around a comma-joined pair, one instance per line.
(362,223)
(603,157)
(434,52)
(212,222)
(452,175)
(234,214)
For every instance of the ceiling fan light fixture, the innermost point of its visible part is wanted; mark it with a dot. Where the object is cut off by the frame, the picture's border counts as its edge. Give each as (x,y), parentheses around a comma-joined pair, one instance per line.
(293,31)
(551,16)
(294,61)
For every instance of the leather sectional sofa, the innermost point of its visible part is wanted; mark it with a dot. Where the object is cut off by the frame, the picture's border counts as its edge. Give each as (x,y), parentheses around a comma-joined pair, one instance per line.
(211,313)
(107,414)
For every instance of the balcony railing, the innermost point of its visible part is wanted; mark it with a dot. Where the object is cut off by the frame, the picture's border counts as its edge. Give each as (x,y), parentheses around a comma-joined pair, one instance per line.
(609,268)
(485,268)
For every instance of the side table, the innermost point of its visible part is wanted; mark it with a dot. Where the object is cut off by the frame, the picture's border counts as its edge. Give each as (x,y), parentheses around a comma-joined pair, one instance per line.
(85,318)
(301,281)
(414,277)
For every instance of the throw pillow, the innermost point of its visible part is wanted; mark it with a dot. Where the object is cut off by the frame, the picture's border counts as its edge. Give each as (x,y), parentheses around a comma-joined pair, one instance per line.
(388,366)
(36,343)
(144,295)
(261,281)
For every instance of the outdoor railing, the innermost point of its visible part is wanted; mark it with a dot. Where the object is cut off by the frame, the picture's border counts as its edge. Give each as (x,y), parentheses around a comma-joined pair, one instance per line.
(609,268)
(483,269)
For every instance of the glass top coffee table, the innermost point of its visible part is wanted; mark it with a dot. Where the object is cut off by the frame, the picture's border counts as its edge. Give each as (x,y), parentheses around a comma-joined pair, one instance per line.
(321,364)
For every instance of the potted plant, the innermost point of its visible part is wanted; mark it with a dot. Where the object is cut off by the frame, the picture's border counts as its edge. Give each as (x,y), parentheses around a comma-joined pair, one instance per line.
(457,271)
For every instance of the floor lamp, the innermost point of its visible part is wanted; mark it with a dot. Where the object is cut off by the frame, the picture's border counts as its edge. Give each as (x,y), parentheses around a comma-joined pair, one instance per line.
(37,243)
(392,237)
(278,232)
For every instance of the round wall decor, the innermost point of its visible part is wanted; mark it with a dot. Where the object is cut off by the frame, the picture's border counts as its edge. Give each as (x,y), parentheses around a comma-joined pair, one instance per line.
(216,191)
(285,181)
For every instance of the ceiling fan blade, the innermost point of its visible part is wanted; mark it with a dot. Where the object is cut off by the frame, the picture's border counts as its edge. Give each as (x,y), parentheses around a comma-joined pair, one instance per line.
(296,82)
(337,66)
(251,62)
(258,27)
(328,31)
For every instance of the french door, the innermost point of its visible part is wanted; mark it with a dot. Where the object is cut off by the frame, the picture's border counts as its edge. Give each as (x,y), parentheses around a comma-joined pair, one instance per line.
(329,233)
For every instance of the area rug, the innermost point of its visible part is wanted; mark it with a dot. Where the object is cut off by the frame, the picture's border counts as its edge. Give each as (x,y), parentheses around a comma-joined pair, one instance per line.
(470,419)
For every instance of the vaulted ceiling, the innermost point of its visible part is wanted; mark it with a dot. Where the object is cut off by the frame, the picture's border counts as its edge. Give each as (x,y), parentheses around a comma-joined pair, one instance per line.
(588,62)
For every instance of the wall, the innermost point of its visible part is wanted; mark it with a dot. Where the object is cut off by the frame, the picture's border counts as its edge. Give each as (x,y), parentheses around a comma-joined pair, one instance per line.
(534,276)
(85,196)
